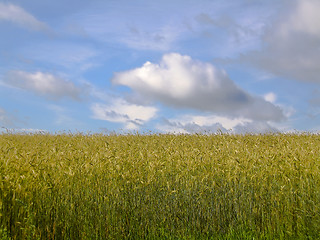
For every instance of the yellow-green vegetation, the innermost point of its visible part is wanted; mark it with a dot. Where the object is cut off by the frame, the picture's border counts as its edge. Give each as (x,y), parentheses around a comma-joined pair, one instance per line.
(76,186)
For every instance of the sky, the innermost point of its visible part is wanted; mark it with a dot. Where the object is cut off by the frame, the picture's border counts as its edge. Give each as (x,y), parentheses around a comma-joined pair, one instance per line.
(169,66)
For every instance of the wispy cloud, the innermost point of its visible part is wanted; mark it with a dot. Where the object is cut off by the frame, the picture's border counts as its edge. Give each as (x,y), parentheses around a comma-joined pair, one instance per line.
(61,116)
(5,119)
(13,13)
(44,84)
(142,25)
(10,118)
(120,111)
(160,39)
(315,98)
(68,56)
(182,82)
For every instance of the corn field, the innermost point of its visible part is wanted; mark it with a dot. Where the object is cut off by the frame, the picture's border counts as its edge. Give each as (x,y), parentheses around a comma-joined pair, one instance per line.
(159,186)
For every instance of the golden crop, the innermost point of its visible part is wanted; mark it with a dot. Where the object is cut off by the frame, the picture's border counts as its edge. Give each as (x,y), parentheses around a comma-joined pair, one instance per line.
(76,186)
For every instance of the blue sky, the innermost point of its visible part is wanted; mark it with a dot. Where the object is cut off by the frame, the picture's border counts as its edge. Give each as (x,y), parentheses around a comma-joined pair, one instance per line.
(179,66)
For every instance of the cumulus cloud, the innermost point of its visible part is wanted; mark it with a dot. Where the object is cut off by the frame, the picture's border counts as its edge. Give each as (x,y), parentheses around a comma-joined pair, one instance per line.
(291,46)
(182,82)
(120,111)
(44,84)
(12,13)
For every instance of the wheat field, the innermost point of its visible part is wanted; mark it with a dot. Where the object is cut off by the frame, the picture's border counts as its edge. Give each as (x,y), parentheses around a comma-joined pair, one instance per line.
(159,186)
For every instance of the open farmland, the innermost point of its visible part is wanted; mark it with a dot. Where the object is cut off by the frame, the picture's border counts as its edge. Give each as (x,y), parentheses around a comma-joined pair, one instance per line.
(75,186)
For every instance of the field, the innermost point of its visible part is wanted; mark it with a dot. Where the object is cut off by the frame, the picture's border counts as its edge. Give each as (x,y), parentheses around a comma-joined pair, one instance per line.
(77,186)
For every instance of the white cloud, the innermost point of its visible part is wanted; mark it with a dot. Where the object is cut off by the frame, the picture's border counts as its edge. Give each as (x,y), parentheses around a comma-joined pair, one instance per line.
(254,127)
(214,124)
(23,131)
(131,30)
(160,39)
(291,46)
(182,82)
(16,14)
(74,57)
(44,84)
(270,97)
(142,25)
(169,126)
(304,18)
(227,123)
(120,111)
(209,120)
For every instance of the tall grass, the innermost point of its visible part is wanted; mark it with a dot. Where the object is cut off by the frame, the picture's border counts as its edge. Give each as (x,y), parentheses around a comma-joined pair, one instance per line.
(159,186)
